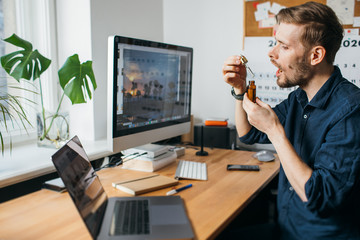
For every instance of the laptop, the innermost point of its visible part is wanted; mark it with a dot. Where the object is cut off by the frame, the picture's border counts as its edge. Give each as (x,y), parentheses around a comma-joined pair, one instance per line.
(155,217)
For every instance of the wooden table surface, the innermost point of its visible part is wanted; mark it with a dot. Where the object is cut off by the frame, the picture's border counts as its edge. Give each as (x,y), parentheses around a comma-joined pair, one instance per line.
(211,205)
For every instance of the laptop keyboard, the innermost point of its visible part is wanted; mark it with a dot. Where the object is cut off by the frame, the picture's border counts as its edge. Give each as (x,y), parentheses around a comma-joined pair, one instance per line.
(130,217)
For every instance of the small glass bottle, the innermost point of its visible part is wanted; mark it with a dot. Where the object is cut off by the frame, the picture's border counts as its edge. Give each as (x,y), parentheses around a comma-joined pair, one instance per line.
(252,91)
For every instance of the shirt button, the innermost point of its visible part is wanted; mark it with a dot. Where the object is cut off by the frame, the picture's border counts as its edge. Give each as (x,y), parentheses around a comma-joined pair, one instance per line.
(291,188)
(305,116)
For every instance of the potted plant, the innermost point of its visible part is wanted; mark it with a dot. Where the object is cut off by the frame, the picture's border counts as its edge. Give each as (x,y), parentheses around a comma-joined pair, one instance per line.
(11,112)
(76,79)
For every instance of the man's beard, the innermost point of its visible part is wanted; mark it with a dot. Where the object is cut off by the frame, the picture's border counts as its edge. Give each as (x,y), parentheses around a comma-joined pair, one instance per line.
(302,75)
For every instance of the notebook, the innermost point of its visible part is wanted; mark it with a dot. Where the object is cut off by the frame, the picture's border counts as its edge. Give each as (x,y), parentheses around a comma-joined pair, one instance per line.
(156,217)
(146,184)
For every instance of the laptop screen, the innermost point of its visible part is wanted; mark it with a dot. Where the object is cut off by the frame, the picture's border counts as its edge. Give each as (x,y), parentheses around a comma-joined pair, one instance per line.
(82,183)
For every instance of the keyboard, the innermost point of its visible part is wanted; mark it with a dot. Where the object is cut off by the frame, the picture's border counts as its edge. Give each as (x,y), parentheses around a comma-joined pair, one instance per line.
(130,217)
(191,170)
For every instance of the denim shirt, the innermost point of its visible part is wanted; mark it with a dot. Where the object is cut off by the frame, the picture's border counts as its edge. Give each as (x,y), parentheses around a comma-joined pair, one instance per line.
(325,133)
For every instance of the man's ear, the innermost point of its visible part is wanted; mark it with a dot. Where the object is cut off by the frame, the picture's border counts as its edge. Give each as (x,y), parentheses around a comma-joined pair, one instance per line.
(317,55)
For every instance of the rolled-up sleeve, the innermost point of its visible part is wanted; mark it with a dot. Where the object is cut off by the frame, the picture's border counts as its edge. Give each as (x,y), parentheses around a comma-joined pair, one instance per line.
(254,136)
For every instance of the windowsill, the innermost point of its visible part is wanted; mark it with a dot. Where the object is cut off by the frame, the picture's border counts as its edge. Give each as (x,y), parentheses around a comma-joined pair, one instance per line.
(14,168)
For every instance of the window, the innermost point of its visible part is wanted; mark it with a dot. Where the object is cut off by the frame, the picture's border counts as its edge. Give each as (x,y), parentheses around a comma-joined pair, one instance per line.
(3,84)
(33,21)
(6,11)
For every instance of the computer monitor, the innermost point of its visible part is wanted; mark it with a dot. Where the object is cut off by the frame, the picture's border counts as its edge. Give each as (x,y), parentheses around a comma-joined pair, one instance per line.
(149,91)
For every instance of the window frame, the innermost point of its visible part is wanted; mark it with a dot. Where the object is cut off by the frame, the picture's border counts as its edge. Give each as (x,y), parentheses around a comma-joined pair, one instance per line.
(42,15)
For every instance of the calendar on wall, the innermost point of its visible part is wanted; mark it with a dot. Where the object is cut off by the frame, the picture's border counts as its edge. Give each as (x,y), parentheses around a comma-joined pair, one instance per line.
(256,51)
(348,59)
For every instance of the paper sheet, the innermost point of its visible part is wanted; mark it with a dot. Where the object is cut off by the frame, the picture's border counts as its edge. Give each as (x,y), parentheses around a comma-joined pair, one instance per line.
(344,9)
(262,13)
(356,22)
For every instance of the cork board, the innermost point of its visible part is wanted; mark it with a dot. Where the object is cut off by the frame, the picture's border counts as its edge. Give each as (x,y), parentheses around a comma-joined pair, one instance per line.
(252,28)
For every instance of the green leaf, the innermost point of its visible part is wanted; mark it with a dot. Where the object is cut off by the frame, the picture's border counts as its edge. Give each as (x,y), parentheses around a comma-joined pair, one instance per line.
(26,63)
(75,78)
(12,113)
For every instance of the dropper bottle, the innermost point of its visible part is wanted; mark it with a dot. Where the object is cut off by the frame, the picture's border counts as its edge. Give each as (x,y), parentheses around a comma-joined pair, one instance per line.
(244,61)
(252,91)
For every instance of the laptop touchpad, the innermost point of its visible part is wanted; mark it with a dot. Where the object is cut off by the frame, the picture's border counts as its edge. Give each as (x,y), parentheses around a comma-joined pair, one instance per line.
(167,214)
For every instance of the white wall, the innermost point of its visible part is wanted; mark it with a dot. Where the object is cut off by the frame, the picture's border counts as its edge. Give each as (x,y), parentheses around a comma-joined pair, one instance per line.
(84,27)
(131,18)
(214,29)
(74,36)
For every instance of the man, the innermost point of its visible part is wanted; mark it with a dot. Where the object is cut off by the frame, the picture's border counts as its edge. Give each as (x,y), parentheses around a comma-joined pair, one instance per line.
(315,131)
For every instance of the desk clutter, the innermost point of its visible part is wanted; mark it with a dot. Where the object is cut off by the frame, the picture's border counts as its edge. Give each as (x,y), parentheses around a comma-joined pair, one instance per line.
(185,170)
(152,157)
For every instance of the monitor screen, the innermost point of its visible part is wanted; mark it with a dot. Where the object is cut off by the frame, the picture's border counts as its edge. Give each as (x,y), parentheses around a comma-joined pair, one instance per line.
(149,91)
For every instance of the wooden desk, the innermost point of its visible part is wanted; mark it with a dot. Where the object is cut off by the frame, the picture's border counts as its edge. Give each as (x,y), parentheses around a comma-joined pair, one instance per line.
(211,205)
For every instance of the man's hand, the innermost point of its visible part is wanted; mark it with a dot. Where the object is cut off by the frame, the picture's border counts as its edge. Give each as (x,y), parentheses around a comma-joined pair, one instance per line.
(261,116)
(234,74)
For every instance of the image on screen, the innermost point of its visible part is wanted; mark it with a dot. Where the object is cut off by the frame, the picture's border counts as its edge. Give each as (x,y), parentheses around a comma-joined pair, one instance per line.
(153,86)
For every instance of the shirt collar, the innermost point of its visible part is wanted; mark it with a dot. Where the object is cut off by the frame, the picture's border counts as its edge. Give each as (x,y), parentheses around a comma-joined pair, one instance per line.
(321,97)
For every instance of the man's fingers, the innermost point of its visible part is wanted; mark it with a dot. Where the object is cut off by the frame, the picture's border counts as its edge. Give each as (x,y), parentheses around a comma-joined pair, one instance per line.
(230,77)
(233,60)
(230,68)
(262,104)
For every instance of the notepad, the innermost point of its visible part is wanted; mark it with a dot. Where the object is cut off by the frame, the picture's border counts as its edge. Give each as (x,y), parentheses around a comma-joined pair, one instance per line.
(145,184)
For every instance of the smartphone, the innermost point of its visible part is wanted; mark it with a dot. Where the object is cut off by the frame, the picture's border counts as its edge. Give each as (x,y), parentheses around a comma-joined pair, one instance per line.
(243,167)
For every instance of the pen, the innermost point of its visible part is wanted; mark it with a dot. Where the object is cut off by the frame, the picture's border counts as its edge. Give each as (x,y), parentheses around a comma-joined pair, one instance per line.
(178,190)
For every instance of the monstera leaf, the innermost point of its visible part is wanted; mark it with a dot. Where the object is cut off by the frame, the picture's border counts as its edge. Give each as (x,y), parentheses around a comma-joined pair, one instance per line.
(75,78)
(24,63)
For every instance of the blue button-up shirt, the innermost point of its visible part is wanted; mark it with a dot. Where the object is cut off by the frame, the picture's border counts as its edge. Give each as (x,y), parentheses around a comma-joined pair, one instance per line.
(325,133)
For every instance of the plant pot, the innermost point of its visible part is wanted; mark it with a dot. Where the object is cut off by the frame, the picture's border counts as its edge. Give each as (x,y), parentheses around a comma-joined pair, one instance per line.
(55,132)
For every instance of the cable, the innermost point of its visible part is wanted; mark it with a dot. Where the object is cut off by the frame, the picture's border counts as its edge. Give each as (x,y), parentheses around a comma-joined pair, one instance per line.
(119,161)
(138,155)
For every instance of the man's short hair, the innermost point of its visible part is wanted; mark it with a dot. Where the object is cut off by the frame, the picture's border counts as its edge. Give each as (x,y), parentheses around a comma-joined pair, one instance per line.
(321,26)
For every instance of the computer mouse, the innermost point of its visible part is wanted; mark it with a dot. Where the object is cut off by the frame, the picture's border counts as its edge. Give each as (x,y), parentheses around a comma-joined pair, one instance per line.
(264,156)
